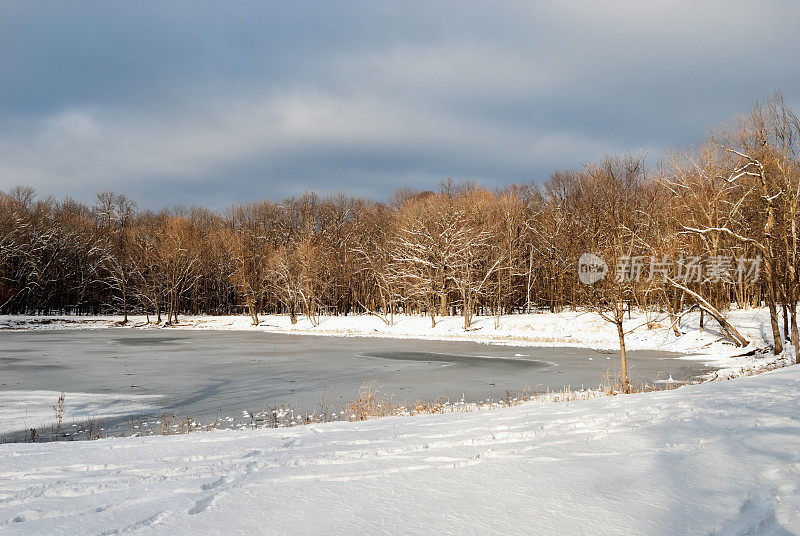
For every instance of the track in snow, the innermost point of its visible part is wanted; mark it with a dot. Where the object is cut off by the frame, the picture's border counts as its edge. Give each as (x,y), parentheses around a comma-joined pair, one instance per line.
(721,457)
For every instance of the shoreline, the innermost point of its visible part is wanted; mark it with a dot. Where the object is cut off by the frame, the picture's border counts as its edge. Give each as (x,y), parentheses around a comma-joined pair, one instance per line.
(577,442)
(567,329)
(517,330)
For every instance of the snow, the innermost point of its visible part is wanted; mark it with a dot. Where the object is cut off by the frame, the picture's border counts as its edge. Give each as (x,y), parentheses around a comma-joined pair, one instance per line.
(716,458)
(720,457)
(22,410)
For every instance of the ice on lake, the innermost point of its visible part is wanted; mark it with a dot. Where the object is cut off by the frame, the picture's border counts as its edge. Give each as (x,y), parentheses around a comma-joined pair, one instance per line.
(208,375)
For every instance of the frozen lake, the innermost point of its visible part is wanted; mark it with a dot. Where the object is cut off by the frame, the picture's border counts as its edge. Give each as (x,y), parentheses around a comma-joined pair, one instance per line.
(208,374)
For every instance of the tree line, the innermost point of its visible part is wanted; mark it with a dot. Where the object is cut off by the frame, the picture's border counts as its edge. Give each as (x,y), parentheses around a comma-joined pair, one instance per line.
(461,249)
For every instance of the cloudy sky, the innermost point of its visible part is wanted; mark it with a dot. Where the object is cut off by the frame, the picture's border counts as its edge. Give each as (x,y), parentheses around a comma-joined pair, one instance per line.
(218,102)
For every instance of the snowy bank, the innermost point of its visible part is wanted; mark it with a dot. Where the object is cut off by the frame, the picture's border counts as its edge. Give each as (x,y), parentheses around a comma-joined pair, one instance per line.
(25,410)
(719,457)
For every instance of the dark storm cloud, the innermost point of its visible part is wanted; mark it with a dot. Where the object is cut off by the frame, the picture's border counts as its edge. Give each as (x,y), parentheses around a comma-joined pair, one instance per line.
(191,102)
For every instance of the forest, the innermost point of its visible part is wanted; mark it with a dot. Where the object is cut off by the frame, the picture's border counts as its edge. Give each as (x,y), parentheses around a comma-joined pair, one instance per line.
(461,249)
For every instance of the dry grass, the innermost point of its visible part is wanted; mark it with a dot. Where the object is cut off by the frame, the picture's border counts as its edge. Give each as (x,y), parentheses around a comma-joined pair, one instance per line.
(93,429)
(371,403)
(60,408)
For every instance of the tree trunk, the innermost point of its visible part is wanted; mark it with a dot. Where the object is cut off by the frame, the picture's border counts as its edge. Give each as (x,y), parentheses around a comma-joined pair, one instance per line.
(623,356)
(673,318)
(124,304)
(773,312)
(793,283)
(785,308)
(727,327)
(795,336)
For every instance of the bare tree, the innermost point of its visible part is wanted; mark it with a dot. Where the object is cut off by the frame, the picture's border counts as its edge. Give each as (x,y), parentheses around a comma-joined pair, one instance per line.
(114,213)
(618,193)
(248,245)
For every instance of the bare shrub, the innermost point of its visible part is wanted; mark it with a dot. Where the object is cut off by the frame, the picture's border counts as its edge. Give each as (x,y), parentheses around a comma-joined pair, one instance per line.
(370,403)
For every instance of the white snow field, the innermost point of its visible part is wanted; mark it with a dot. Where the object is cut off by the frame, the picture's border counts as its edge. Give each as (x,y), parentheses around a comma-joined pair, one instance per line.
(722,457)
(21,410)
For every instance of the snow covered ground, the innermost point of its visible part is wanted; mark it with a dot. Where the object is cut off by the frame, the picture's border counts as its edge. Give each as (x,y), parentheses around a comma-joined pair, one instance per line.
(722,457)
(38,409)
(715,458)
